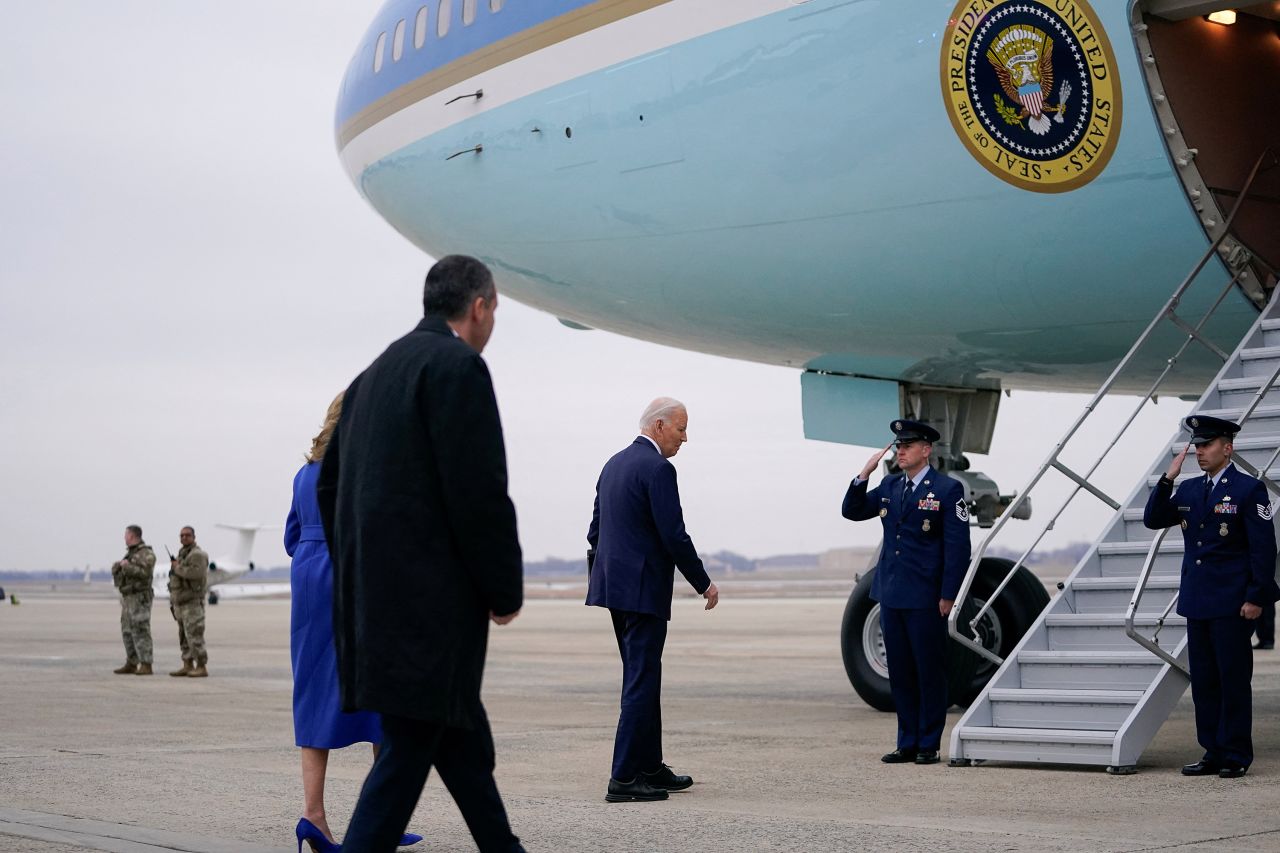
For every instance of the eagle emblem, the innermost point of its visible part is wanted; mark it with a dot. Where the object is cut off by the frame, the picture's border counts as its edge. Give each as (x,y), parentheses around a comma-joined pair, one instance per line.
(1022,57)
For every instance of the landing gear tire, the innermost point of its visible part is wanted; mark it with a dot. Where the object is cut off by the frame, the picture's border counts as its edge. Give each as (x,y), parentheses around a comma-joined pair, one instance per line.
(862,644)
(1001,627)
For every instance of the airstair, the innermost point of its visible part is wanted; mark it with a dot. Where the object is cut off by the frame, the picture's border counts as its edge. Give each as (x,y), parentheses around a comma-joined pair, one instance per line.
(1097,674)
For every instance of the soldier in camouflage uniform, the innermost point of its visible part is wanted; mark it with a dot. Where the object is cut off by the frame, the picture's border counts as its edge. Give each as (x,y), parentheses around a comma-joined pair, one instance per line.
(188,585)
(132,576)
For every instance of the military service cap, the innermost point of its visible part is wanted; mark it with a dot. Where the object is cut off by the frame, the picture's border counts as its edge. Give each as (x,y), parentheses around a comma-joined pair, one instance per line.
(1205,429)
(907,431)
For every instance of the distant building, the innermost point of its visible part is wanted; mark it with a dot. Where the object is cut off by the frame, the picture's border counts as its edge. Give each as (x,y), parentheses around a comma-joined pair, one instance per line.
(850,560)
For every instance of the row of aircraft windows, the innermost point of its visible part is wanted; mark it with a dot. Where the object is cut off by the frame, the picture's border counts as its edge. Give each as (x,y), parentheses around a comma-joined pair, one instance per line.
(444,13)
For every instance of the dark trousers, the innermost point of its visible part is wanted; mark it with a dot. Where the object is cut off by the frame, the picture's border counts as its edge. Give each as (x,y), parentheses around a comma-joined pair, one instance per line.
(915,642)
(1265,625)
(464,759)
(638,743)
(1221,662)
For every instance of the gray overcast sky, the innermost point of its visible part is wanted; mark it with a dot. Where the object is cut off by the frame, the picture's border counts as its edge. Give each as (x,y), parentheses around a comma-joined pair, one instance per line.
(187,278)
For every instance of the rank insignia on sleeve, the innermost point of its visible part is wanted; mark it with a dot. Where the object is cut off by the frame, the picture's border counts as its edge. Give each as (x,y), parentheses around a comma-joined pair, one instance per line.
(962,510)
(1264,512)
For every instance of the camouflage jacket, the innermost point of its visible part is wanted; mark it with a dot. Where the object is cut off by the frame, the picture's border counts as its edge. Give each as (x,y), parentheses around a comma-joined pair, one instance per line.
(189,577)
(132,574)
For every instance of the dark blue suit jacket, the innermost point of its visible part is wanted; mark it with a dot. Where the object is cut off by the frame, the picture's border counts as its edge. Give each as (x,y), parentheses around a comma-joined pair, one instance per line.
(1229,542)
(637,531)
(926,545)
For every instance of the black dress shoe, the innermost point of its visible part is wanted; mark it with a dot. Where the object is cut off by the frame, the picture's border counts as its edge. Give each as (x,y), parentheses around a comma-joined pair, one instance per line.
(635,791)
(927,756)
(899,756)
(1233,771)
(1203,767)
(666,779)
(1264,646)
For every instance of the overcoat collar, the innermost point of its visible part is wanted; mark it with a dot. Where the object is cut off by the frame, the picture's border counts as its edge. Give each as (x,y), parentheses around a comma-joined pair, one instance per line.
(432,323)
(647,442)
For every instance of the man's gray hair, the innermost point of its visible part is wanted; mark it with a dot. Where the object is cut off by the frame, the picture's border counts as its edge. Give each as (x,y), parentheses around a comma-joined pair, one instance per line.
(661,409)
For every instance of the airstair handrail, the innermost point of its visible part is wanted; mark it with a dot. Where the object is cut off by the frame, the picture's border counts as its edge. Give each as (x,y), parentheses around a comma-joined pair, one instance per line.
(1151,645)
(1166,312)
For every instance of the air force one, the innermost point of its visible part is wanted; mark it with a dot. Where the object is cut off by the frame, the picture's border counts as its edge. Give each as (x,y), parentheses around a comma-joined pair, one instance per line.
(917,204)
(226,569)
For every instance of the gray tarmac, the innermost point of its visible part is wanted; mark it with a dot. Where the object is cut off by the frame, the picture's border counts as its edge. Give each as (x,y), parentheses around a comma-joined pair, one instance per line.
(756,708)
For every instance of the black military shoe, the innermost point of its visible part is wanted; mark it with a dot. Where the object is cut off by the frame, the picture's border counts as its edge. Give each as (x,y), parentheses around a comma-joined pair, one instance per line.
(1203,767)
(927,756)
(1233,771)
(1266,647)
(899,756)
(666,779)
(635,791)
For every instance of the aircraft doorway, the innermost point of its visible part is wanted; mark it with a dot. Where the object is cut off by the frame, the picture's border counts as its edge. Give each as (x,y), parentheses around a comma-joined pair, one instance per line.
(1213,87)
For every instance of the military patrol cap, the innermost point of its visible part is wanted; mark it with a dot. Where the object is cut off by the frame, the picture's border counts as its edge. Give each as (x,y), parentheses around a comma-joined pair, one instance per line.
(1205,429)
(907,431)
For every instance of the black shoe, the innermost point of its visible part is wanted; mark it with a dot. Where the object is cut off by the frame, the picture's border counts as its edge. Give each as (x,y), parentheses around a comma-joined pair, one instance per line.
(899,756)
(1233,771)
(1266,647)
(1203,767)
(635,791)
(666,779)
(927,756)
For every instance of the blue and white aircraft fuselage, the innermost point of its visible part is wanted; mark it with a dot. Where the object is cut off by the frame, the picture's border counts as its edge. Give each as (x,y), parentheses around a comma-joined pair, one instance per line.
(801,182)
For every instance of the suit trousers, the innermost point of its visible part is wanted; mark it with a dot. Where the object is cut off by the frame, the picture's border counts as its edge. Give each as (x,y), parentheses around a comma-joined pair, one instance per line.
(915,642)
(638,743)
(465,761)
(1221,660)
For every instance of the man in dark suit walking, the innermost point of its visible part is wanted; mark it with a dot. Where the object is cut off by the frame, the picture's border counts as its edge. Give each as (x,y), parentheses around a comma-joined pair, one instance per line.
(413,495)
(1228,576)
(638,538)
(922,562)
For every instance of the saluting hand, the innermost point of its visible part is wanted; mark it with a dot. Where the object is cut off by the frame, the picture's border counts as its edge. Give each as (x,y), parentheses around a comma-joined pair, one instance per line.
(1175,467)
(870,467)
(712,595)
(503,620)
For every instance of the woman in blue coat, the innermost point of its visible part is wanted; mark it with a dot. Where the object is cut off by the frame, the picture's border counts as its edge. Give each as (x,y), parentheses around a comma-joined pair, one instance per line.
(319,723)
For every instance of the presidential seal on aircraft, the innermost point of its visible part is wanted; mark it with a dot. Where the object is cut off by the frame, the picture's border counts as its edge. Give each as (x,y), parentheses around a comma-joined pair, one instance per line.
(1032,90)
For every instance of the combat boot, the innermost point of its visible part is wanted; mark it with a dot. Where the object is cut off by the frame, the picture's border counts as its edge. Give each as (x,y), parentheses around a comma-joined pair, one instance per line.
(185,671)
(143,669)
(199,671)
(129,668)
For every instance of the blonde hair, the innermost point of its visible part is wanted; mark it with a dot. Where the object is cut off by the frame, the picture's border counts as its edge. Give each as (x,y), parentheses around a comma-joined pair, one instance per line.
(320,443)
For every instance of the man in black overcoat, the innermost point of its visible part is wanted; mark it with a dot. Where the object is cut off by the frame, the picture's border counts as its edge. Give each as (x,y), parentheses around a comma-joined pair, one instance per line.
(413,494)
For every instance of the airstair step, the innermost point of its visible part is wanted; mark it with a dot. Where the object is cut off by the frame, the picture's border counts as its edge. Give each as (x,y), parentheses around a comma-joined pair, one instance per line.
(1058,746)
(1134,658)
(1168,546)
(1260,361)
(1106,631)
(1272,474)
(1270,325)
(1154,582)
(1085,670)
(1112,594)
(1080,710)
(1239,391)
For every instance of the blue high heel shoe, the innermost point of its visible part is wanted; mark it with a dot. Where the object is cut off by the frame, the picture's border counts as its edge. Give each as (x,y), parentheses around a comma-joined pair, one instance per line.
(409,838)
(308,831)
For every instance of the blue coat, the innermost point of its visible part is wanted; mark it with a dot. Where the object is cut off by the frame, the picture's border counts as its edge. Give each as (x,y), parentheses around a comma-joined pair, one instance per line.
(926,545)
(1229,542)
(637,531)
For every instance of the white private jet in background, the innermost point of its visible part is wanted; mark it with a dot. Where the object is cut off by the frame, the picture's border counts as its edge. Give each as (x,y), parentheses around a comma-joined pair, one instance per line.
(225,569)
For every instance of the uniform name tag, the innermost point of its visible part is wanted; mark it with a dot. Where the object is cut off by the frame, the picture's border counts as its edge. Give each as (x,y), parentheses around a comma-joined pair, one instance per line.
(1184,509)
(1226,509)
(930,504)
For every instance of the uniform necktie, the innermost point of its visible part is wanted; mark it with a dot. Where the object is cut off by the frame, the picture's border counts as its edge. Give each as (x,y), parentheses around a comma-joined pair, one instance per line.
(1208,488)
(906,494)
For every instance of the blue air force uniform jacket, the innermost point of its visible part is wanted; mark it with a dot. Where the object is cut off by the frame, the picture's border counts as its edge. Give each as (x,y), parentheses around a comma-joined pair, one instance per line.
(1229,541)
(926,543)
(637,531)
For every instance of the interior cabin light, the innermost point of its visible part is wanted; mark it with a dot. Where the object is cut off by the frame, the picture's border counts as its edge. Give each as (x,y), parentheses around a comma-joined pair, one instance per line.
(1226,17)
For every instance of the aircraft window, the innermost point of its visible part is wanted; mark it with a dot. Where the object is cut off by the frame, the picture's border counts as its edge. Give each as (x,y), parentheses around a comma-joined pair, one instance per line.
(420,28)
(397,42)
(378,51)
(496,5)
(442,17)
(468,12)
